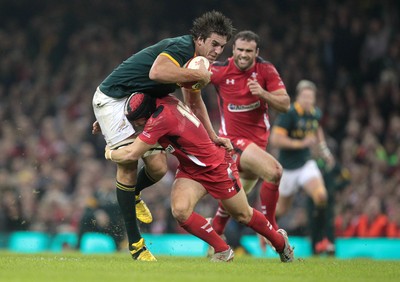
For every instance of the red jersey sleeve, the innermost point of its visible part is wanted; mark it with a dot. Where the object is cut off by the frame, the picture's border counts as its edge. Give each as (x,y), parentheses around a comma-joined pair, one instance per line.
(272,77)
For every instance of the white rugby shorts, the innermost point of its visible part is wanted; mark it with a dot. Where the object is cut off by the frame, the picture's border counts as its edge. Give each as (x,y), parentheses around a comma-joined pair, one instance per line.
(294,179)
(109,112)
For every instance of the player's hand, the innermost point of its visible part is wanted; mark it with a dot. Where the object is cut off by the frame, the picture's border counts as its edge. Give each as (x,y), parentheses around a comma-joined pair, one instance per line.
(96,128)
(309,141)
(327,156)
(224,142)
(107,153)
(330,162)
(204,73)
(255,87)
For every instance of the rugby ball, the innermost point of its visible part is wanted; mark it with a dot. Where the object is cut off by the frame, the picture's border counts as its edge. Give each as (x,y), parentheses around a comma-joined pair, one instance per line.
(194,63)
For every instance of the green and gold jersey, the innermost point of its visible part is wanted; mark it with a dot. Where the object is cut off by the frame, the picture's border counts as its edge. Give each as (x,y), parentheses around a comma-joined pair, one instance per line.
(296,124)
(132,75)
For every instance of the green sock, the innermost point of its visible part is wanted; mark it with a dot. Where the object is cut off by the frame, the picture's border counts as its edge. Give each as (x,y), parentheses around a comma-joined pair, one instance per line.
(329,216)
(317,224)
(126,200)
(144,180)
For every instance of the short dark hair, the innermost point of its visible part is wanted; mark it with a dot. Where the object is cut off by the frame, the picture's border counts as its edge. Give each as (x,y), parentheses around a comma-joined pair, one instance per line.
(212,22)
(247,35)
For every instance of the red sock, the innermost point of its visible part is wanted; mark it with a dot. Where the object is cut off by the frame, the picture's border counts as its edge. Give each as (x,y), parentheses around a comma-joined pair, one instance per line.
(269,194)
(263,227)
(220,219)
(200,227)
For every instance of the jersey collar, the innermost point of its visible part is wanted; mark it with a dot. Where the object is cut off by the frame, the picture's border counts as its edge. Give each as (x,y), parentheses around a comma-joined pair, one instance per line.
(300,110)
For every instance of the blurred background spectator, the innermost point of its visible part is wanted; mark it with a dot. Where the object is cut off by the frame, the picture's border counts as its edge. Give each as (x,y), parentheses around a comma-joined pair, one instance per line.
(53,176)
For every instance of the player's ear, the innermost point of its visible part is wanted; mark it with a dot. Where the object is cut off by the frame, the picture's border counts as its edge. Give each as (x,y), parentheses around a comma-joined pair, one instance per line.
(257,51)
(199,41)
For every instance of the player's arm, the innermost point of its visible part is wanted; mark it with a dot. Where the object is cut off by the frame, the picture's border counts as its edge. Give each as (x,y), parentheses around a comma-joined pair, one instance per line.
(323,148)
(281,140)
(166,70)
(278,99)
(128,154)
(195,102)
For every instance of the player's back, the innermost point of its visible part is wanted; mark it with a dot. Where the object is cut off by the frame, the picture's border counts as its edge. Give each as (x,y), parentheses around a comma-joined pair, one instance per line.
(132,75)
(183,135)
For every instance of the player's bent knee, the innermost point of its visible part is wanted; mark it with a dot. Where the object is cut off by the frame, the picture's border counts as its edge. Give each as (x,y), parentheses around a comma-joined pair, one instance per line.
(181,213)
(320,197)
(242,217)
(273,173)
(278,171)
(158,172)
(157,168)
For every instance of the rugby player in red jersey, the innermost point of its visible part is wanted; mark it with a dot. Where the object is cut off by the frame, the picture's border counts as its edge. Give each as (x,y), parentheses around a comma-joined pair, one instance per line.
(204,167)
(247,86)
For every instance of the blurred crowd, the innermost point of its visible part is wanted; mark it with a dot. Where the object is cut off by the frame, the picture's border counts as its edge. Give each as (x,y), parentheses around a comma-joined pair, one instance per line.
(53,176)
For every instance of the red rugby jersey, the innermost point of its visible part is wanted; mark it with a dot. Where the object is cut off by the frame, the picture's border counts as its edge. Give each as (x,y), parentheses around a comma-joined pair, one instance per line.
(243,114)
(179,131)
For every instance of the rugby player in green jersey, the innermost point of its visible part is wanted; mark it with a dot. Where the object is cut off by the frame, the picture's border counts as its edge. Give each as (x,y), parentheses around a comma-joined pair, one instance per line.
(157,71)
(295,133)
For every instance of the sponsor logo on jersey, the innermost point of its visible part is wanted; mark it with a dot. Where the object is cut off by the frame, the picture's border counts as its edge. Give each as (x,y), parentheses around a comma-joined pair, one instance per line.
(230,81)
(243,108)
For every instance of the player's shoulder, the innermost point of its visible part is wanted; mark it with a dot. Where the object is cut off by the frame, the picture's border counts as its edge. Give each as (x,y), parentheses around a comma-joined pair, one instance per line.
(220,64)
(183,39)
(266,67)
(292,110)
(263,63)
(164,116)
(219,69)
(165,105)
(261,60)
(317,112)
(284,119)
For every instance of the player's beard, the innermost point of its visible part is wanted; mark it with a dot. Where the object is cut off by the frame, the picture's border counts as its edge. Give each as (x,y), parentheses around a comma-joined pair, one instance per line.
(243,64)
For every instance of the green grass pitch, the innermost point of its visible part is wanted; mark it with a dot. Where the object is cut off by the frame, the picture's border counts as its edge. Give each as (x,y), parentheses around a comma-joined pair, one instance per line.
(76,267)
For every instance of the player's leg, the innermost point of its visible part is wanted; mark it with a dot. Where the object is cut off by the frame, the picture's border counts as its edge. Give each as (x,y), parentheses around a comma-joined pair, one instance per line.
(287,189)
(220,219)
(126,199)
(313,184)
(263,165)
(315,188)
(184,196)
(248,180)
(154,169)
(284,205)
(118,132)
(329,231)
(240,210)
